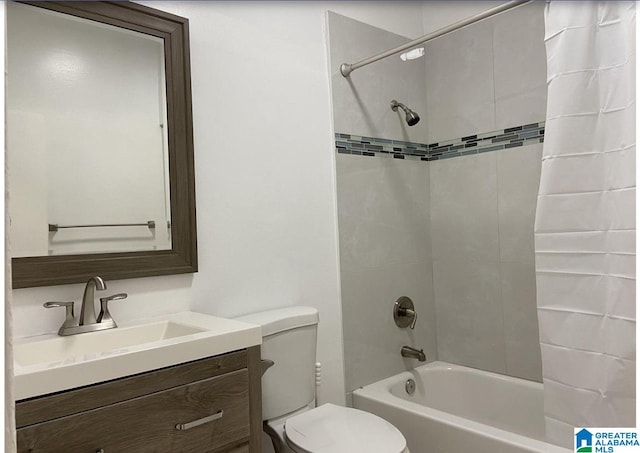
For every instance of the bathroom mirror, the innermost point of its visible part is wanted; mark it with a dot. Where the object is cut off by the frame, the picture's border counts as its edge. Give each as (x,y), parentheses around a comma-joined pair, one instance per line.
(99,142)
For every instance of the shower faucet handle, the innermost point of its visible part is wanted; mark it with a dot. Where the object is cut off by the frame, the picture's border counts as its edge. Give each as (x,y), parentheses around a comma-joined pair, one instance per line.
(411,314)
(404,313)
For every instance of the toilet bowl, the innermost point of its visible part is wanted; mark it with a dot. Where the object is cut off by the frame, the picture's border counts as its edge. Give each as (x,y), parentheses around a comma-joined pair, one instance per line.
(290,418)
(335,429)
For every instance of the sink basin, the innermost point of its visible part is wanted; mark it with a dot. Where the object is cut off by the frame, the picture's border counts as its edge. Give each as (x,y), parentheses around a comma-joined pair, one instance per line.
(50,363)
(97,344)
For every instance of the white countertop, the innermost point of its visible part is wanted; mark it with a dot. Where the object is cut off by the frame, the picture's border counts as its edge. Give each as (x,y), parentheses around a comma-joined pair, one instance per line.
(49,363)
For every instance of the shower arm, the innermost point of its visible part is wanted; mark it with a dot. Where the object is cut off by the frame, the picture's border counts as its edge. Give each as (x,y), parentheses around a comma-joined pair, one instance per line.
(346,68)
(395,105)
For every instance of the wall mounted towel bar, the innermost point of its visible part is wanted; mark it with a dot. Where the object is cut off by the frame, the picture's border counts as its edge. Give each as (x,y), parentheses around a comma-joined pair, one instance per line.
(149,224)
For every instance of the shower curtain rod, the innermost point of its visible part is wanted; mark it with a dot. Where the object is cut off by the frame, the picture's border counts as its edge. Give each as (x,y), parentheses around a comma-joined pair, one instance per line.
(346,68)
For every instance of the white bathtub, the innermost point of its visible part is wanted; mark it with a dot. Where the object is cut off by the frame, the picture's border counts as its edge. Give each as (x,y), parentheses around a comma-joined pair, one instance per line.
(456,409)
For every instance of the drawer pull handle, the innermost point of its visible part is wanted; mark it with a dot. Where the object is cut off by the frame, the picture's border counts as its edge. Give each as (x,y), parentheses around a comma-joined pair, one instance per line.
(201,421)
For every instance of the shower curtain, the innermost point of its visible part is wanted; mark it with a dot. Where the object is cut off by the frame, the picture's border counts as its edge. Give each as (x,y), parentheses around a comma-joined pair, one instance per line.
(585,220)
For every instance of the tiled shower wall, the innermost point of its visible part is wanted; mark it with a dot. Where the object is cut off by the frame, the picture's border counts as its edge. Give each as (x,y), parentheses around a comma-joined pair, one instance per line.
(454,233)
(362,102)
(491,75)
(383,208)
(488,76)
(482,214)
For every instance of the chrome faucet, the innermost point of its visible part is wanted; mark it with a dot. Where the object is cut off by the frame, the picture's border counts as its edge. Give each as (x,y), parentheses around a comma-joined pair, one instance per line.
(88,309)
(88,321)
(412,353)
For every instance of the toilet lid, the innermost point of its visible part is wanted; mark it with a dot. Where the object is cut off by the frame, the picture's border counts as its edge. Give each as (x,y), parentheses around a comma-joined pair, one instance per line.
(336,429)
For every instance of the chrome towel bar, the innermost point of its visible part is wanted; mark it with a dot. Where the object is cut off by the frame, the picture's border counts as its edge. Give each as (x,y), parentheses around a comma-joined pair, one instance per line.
(151,224)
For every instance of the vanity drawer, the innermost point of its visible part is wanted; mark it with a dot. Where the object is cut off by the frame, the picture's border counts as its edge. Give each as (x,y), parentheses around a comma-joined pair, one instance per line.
(57,405)
(239,449)
(148,423)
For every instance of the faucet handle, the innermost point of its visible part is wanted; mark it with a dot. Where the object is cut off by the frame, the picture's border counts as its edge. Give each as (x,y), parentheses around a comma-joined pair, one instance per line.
(69,315)
(58,304)
(404,313)
(105,317)
(412,314)
(114,297)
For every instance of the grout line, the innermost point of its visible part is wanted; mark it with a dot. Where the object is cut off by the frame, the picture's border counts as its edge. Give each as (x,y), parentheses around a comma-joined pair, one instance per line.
(500,281)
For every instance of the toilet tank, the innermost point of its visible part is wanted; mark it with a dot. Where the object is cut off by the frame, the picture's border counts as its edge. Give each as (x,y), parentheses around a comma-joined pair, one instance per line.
(289,339)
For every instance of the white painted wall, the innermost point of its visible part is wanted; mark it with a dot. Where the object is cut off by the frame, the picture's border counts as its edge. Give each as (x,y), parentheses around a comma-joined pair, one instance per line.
(399,17)
(265,186)
(6,326)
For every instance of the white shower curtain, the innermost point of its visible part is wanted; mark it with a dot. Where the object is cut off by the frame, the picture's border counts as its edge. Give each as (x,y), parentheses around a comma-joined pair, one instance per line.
(585,221)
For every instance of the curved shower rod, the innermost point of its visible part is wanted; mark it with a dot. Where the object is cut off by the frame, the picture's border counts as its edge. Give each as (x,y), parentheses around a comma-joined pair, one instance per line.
(346,68)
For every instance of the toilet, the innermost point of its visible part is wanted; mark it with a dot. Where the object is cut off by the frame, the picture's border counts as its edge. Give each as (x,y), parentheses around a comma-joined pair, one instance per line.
(288,393)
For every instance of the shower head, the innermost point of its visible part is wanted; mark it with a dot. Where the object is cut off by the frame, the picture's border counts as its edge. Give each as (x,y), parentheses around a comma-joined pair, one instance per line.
(411,116)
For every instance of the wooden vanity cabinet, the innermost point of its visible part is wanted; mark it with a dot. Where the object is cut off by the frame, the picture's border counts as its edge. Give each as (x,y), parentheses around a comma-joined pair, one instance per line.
(153,411)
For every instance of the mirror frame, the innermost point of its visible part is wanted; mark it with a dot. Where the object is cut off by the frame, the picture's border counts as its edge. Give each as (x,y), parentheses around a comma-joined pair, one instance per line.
(182,257)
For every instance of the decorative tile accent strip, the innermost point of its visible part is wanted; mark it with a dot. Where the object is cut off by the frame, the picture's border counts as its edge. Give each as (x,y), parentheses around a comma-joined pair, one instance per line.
(511,137)
(379,147)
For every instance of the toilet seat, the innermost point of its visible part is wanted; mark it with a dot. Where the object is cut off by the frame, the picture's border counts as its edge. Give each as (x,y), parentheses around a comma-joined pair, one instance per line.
(335,429)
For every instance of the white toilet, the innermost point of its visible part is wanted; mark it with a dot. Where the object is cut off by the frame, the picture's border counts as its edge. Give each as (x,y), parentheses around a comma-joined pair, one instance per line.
(290,419)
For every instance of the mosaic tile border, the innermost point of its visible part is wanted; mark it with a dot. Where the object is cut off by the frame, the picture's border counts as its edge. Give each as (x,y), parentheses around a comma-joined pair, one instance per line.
(511,137)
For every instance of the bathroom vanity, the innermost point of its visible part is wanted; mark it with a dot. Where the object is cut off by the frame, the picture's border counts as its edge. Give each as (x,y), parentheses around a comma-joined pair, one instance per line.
(201,404)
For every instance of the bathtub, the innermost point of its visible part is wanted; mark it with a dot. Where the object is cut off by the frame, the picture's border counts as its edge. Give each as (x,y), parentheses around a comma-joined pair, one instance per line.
(456,409)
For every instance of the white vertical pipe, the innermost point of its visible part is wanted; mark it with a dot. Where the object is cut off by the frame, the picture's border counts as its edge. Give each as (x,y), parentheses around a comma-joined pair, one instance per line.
(318,381)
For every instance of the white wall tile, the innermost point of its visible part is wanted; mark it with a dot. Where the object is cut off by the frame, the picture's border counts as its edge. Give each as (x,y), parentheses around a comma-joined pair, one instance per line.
(518,181)
(482,214)
(460,96)
(469,313)
(481,209)
(382,212)
(466,271)
(488,76)
(523,108)
(464,208)
(439,14)
(520,65)
(522,342)
(372,341)
(383,207)
(361,102)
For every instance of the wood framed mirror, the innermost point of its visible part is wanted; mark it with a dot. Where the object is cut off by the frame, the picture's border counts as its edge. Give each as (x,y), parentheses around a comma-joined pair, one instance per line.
(179,255)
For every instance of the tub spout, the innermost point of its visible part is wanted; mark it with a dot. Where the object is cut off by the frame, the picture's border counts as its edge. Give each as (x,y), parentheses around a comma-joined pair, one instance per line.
(412,353)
